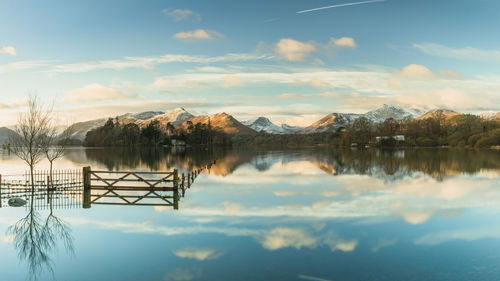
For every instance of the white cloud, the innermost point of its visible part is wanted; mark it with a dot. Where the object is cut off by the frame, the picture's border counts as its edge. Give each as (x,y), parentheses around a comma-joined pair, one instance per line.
(335,243)
(449,74)
(161,83)
(231,81)
(198,254)
(383,243)
(283,237)
(320,95)
(320,84)
(417,216)
(180,274)
(374,87)
(467,53)
(294,50)
(149,63)
(8,50)
(197,35)
(211,69)
(23,65)
(465,234)
(95,92)
(80,112)
(344,42)
(231,208)
(8,239)
(416,71)
(396,84)
(181,14)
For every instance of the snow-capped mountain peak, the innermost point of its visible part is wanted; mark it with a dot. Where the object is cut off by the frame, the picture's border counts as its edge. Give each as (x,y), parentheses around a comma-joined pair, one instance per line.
(264,125)
(490,115)
(391,111)
(176,117)
(146,115)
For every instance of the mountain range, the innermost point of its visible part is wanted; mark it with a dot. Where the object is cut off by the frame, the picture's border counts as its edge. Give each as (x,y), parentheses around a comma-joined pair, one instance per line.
(264,125)
(180,118)
(333,121)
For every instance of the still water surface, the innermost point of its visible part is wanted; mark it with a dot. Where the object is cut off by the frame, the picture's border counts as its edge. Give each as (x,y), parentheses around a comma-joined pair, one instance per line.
(312,214)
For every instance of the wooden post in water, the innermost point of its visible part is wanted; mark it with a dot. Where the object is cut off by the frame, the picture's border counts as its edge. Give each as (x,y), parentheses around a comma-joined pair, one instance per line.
(176,189)
(86,187)
(0,191)
(189,180)
(48,189)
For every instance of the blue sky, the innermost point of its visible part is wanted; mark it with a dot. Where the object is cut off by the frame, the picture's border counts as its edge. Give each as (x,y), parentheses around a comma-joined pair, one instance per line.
(95,59)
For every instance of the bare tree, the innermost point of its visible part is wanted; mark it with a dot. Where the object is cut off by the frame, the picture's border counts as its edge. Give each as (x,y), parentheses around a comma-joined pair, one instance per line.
(56,144)
(30,141)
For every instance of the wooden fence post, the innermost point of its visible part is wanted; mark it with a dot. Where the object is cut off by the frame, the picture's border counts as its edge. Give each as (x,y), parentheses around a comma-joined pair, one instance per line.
(86,187)
(176,189)
(0,191)
(48,189)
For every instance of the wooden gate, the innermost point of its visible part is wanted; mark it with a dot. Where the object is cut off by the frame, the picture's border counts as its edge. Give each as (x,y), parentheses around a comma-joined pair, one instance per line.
(130,188)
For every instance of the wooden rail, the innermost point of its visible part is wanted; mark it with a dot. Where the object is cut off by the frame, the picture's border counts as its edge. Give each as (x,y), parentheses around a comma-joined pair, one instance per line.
(56,189)
(130,188)
(70,188)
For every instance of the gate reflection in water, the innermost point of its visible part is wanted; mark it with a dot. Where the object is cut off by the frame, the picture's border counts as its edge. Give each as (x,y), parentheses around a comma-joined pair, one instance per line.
(75,189)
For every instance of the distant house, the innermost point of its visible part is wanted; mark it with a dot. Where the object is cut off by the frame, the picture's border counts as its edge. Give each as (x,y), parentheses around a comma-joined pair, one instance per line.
(176,142)
(396,138)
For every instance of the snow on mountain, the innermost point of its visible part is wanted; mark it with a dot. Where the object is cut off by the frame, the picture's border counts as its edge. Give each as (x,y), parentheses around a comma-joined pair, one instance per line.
(330,123)
(222,121)
(289,129)
(333,121)
(146,115)
(264,125)
(446,113)
(176,117)
(80,129)
(490,115)
(391,111)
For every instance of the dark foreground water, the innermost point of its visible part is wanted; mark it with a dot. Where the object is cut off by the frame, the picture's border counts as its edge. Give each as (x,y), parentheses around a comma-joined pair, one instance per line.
(312,214)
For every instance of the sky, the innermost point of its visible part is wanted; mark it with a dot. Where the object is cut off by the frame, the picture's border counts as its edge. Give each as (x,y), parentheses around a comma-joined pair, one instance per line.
(293,61)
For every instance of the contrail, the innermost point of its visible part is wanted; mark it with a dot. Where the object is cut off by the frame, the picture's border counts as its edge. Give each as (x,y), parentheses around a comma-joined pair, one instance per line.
(339,5)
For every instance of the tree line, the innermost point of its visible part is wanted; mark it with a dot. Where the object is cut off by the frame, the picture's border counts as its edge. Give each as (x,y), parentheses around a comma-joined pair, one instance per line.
(112,133)
(463,130)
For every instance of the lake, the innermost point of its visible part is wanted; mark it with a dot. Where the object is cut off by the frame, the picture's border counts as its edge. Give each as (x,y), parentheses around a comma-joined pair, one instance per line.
(312,214)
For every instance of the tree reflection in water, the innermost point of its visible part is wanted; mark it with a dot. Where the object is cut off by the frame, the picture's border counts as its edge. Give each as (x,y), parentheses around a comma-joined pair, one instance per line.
(36,239)
(388,164)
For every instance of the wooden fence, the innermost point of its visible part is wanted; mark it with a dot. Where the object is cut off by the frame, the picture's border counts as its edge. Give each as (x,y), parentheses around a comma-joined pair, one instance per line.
(83,188)
(136,187)
(59,189)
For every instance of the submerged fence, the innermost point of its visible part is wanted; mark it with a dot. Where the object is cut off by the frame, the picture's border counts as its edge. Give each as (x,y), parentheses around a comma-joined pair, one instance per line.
(59,189)
(83,188)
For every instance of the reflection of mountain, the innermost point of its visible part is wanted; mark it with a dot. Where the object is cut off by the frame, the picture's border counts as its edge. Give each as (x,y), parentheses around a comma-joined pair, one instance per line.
(164,159)
(394,165)
(389,165)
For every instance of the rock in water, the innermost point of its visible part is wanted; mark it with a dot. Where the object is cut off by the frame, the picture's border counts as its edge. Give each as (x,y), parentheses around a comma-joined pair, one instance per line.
(17,202)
